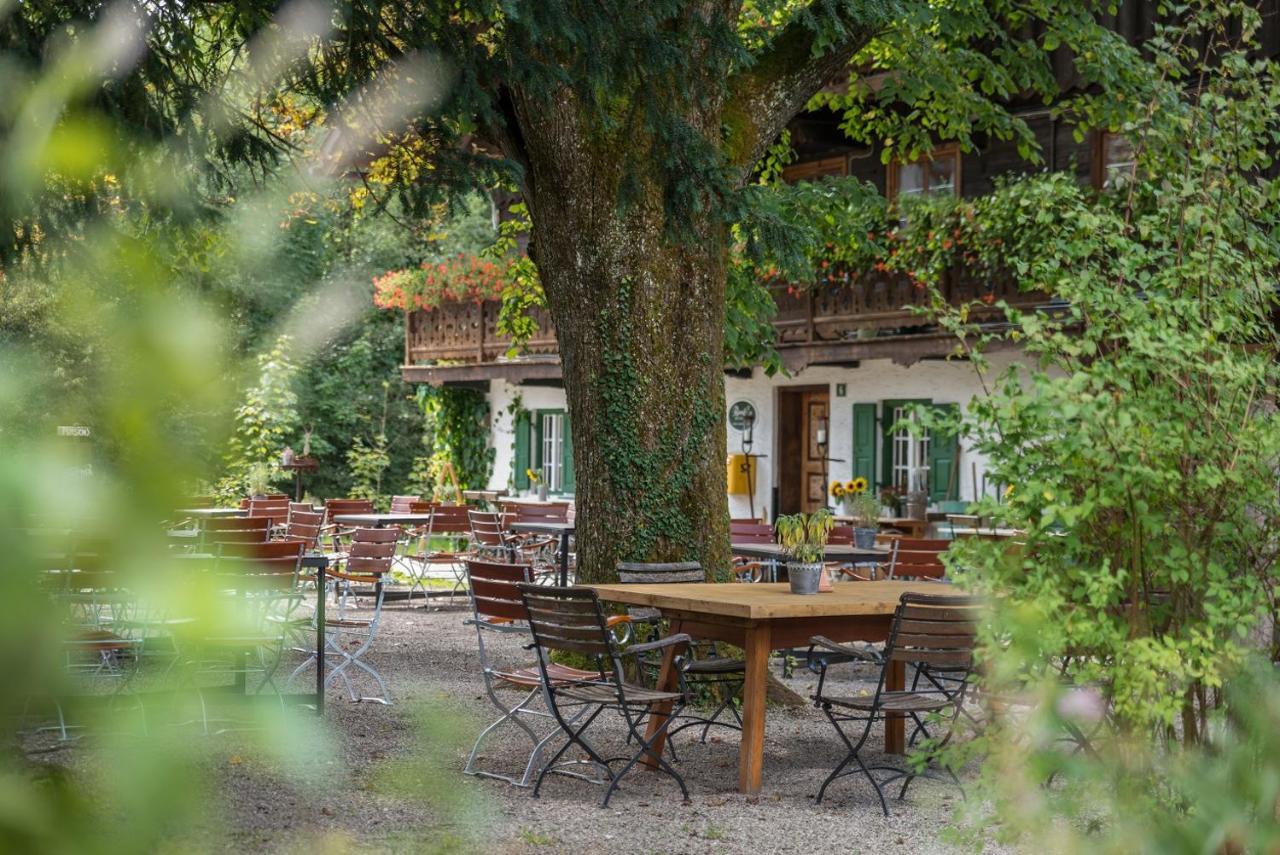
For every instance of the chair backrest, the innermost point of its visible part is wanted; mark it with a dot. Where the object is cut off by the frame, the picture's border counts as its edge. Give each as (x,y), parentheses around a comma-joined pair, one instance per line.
(751,532)
(348,506)
(237,530)
(403,504)
(269,565)
(918,558)
(640,573)
(570,620)
(526,512)
(276,510)
(304,508)
(934,632)
(486,528)
(841,535)
(450,519)
(305,527)
(495,591)
(372,551)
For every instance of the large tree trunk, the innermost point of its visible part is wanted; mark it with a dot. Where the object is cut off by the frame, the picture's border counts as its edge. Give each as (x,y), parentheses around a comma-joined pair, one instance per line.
(640,322)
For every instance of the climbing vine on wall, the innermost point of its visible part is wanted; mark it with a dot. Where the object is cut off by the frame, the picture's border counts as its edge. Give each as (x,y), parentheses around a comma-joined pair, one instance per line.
(457,429)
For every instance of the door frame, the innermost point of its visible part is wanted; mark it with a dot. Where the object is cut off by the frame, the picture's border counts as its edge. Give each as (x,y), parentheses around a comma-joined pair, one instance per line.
(780,467)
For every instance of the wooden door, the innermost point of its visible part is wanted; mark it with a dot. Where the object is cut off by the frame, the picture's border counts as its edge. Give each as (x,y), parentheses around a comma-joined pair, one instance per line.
(801,473)
(815,407)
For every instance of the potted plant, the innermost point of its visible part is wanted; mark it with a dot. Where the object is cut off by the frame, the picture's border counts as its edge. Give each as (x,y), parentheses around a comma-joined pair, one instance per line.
(864,507)
(803,538)
(258,480)
(535,478)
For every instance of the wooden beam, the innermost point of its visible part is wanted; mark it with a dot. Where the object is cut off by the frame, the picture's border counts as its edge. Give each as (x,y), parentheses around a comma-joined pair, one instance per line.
(513,372)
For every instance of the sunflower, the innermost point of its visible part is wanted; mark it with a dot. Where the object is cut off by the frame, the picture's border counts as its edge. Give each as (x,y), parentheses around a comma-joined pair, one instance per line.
(856,486)
(837,489)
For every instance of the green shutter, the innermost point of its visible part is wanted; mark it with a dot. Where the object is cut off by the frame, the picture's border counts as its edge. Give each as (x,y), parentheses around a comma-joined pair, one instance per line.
(864,442)
(522,450)
(568,479)
(944,460)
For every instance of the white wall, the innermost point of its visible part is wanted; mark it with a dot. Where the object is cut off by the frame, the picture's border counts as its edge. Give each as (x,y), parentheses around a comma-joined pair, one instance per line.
(502,434)
(872,381)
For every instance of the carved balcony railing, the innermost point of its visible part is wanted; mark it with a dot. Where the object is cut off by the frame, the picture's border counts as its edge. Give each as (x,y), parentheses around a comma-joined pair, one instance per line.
(873,305)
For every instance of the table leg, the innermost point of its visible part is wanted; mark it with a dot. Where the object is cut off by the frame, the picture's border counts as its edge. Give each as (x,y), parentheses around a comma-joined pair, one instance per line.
(320,640)
(667,682)
(564,559)
(754,690)
(895,732)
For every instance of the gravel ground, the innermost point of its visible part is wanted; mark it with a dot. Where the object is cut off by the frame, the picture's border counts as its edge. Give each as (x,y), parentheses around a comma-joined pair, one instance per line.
(394,782)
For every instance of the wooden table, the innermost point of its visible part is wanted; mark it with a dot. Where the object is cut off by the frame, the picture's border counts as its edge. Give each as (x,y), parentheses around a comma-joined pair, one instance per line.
(564,530)
(765,617)
(909,526)
(382,520)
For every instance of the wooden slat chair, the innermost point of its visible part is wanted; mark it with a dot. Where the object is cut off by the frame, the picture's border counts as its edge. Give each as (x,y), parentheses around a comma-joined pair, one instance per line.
(704,666)
(349,637)
(403,504)
(496,607)
(276,510)
(261,585)
(571,620)
(933,634)
(451,521)
(234,530)
(745,568)
(537,549)
(915,558)
(305,527)
(488,538)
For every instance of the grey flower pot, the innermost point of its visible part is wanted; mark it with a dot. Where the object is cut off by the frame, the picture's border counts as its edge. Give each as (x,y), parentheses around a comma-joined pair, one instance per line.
(865,538)
(804,578)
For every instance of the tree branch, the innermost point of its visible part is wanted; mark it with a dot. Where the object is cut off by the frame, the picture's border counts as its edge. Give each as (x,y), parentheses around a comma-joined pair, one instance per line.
(765,96)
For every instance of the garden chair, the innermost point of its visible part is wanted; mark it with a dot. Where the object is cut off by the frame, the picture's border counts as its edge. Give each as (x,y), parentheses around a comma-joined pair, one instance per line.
(276,510)
(488,540)
(349,637)
(709,670)
(496,607)
(917,558)
(935,636)
(337,507)
(748,569)
(260,583)
(403,504)
(306,527)
(448,521)
(570,620)
(235,530)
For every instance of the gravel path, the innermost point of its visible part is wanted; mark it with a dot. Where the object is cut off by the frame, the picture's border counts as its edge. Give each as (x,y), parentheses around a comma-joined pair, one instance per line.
(394,782)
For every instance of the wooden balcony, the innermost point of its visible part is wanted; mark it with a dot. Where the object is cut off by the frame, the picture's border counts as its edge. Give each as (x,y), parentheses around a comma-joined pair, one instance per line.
(869,317)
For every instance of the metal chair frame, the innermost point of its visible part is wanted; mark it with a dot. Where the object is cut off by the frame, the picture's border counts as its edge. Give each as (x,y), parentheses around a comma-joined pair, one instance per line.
(933,634)
(571,620)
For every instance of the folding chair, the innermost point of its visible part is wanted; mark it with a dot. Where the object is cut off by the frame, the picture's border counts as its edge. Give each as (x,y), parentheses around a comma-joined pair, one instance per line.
(709,670)
(403,504)
(234,530)
(748,569)
(933,634)
(570,620)
(305,526)
(488,539)
(496,607)
(447,521)
(918,558)
(347,637)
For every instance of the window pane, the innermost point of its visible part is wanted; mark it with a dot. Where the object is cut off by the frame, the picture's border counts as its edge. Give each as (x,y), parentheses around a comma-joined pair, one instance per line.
(911,179)
(553,451)
(1117,159)
(942,176)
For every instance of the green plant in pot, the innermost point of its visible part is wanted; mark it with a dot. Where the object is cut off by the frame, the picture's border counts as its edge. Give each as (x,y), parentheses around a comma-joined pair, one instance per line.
(864,508)
(803,538)
(258,480)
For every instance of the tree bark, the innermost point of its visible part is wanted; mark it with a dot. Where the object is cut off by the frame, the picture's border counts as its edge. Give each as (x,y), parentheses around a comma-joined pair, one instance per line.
(640,322)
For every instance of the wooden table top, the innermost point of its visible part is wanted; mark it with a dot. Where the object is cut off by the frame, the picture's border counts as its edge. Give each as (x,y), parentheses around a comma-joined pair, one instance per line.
(213,513)
(769,601)
(833,552)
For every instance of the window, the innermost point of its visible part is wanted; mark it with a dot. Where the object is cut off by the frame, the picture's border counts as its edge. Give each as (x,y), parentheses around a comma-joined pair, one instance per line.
(937,174)
(1113,159)
(909,457)
(886,456)
(809,170)
(544,444)
(551,458)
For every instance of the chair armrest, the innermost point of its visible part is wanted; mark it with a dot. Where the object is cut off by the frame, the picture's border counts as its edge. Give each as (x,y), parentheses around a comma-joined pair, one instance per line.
(613,620)
(824,643)
(649,646)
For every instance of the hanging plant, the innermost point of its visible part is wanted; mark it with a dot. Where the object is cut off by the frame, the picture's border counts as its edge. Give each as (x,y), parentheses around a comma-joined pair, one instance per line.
(462,278)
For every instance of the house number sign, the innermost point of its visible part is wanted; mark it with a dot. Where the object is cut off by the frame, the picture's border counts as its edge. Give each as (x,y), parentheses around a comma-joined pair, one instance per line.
(741,414)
